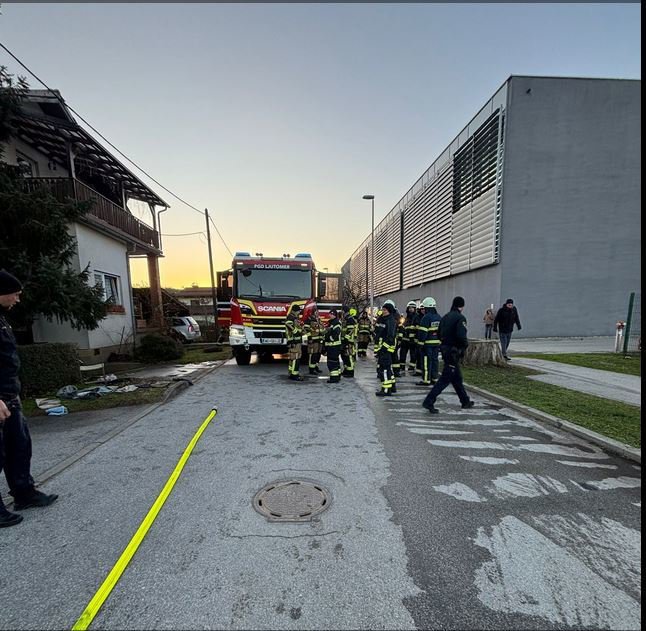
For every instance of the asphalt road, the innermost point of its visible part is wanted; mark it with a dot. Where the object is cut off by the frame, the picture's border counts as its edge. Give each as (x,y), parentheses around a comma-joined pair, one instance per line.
(479,519)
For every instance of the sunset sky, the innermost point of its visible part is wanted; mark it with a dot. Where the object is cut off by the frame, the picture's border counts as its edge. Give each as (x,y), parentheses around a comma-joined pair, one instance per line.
(279,117)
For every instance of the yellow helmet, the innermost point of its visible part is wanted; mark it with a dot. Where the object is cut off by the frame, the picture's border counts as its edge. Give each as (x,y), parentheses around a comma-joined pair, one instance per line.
(352,311)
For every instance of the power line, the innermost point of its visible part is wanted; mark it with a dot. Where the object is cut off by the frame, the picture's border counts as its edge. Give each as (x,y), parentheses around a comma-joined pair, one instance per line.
(219,235)
(62,101)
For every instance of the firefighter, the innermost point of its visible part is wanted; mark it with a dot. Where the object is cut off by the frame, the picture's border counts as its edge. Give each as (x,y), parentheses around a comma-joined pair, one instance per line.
(294,331)
(313,327)
(427,335)
(395,359)
(364,332)
(349,341)
(420,346)
(454,342)
(409,343)
(385,342)
(333,346)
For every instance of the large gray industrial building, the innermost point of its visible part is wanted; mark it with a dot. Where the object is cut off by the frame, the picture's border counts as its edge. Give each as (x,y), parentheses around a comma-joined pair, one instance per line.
(537,199)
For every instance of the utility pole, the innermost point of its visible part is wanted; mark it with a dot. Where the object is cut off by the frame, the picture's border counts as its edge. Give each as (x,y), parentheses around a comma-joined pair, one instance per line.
(213,291)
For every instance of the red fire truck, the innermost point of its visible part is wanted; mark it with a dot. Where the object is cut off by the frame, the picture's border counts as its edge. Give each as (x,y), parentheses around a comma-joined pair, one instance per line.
(263,291)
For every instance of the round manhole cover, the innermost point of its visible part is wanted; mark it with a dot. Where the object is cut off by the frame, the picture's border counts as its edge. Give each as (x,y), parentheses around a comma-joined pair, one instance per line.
(291,500)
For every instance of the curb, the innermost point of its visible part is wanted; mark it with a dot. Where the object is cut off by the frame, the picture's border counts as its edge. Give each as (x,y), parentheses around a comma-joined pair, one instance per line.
(172,391)
(609,445)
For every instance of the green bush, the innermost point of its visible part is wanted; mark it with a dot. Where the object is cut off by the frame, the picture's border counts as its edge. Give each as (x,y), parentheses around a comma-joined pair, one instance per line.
(158,348)
(47,367)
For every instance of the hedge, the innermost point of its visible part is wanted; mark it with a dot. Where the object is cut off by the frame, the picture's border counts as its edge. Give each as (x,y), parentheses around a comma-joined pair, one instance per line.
(47,367)
(155,348)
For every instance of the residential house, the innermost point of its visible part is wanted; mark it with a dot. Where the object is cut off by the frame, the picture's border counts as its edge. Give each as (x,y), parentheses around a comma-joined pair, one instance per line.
(55,152)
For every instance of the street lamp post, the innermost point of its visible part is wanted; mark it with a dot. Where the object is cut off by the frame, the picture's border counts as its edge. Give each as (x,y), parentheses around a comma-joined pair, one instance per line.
(372,255)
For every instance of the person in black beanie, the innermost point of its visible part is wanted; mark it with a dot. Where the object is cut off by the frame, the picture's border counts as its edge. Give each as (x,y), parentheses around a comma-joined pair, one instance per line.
(15,441)
(453,343)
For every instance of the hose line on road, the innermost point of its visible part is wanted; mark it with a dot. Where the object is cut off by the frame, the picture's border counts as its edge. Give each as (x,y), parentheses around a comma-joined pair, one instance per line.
(115,573)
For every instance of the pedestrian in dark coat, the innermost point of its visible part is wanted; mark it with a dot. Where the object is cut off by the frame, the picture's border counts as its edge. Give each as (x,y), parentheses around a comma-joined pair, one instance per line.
(15,440)
(506,317)
(453,337)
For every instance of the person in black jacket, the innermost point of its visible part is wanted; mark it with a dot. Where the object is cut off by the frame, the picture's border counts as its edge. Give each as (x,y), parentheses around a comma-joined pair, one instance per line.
(332,345)
(503,324)
(453,337)
(385,341)
(15,441)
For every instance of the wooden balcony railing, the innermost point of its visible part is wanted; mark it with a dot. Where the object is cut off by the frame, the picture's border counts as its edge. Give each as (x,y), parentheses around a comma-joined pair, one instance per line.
(107,211)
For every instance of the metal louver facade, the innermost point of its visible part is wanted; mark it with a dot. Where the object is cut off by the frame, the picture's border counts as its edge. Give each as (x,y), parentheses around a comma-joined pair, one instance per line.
(449,221)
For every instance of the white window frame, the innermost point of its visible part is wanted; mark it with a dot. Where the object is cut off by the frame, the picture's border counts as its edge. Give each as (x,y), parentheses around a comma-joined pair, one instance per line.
(111,285)
(23,158)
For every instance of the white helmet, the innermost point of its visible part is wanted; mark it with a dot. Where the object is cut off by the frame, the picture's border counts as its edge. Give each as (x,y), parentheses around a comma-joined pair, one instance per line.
(429,302)
(411,303)
(389,302)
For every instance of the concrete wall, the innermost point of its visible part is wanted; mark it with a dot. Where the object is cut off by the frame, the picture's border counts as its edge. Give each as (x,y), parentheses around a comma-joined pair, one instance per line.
(571,212)
(479,289)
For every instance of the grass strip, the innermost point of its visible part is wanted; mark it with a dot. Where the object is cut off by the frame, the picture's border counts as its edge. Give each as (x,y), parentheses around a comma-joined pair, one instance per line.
(611,418)
(629,364)
(145,396)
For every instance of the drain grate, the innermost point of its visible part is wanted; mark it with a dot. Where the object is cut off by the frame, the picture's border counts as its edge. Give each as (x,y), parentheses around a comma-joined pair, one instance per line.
(291,500)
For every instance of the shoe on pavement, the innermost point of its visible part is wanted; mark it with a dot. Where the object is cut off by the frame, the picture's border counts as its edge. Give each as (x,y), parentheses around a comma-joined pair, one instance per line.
(422,383)
(468,405)
(333,380)
(507,358)
(8,519)
(382,393)
(295,378)
(35,499)
(431,408)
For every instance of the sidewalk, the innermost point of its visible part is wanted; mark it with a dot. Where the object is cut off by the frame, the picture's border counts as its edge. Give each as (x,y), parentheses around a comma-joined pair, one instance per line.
(601,383)
(605,344)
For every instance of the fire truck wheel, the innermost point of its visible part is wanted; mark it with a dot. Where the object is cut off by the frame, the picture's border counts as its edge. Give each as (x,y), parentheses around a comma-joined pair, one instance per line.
(242,357)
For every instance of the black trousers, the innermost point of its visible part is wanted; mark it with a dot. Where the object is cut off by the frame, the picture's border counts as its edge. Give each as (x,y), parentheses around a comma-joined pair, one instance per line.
(406,348)
(385,369)
(451,375)
(333,363)
(15,451)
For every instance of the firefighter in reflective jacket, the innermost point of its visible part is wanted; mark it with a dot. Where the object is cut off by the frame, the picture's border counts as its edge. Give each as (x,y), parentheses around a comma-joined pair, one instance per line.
(313,327)
(420,347)
(409,343)
(294,332)
(398,335)
(364,334)
(427,336)
(349,342)
(333,346)
(385,341)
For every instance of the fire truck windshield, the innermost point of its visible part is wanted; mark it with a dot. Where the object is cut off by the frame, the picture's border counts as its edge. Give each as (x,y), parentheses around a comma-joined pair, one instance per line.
(274,284)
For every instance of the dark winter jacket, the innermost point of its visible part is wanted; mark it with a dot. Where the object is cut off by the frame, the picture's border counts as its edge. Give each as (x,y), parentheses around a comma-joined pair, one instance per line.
(453,331)
(505,320)
(9,362)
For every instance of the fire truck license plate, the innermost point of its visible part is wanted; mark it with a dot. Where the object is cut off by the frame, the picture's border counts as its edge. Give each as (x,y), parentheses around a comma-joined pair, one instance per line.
(269,340)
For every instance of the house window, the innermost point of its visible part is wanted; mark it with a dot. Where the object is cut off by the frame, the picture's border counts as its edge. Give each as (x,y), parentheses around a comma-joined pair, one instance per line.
(110,285)
(28,166)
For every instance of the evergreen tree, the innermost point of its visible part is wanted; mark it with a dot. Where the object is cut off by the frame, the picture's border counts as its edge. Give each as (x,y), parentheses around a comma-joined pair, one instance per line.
(35,244)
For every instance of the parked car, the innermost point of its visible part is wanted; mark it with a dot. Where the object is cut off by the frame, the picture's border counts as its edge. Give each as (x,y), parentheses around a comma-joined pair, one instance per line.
(185,329)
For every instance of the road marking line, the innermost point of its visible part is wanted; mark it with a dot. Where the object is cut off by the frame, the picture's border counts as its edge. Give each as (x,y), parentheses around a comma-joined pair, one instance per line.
(115,573)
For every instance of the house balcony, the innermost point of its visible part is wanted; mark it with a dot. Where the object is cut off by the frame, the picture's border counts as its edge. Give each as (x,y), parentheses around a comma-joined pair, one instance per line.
(104,215)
